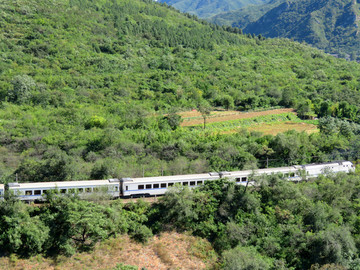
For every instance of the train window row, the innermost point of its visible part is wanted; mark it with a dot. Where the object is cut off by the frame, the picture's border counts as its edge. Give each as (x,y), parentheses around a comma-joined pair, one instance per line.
(165,185)
(240,179)
(70,190)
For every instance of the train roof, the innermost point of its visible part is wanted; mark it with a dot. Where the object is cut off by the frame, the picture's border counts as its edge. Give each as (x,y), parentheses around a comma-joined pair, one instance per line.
(172,178)
(65,184)
(209,176)
(327,164)
(267,170)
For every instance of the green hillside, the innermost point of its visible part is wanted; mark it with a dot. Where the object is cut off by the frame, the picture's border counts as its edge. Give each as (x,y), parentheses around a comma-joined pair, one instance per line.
(208,8)
(89,89)
(328,25)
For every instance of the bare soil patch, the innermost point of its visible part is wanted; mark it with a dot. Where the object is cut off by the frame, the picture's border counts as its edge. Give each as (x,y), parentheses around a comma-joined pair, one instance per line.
(193,118)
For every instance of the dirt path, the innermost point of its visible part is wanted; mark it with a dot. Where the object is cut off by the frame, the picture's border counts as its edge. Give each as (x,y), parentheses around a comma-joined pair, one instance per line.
(194,117)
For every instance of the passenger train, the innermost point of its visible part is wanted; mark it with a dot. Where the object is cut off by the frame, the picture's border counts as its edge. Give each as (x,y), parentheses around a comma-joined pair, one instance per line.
(128,187)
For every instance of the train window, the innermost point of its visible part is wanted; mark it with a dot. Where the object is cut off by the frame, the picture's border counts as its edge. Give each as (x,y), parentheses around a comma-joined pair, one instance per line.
(63,190)
(126,188)
(237,179)
(148,186)
(140,186)
(28,192)
(88,190)
(170,184)
(286,175)
(292,174)
(80,190)
(243,179)
(185,183)
(156,185)
(192,183)
(37,192)
(199,183)
(117,188)
(163,185)
(96,189)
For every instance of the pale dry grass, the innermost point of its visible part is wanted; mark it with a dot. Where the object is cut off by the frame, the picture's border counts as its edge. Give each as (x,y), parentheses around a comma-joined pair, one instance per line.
(167,251)
(273,129)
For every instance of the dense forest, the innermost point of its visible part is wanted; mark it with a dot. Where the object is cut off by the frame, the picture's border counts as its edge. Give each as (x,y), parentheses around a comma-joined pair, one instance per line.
(275,225)
(92,91)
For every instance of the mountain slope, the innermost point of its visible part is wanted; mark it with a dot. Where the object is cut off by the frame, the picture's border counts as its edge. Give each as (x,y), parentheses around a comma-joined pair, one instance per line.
(89,89)
(330,25)
(245,15)
(208,8)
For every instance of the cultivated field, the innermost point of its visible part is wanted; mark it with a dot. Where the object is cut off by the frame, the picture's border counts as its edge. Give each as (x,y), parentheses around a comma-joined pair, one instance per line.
(193,118)
(275,128)
(268,122)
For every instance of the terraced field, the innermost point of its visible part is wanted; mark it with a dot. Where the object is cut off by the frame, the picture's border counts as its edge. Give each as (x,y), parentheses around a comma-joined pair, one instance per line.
(268,122)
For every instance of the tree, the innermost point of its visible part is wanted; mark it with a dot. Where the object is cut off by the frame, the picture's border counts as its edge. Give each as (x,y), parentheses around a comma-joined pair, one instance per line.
(74,224)
(245,258)
(205,110)
(23,85)
(174,120)
(21,233)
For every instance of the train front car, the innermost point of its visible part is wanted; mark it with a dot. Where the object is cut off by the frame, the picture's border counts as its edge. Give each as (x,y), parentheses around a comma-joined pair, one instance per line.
(314,170)
(36,191)
(152,186)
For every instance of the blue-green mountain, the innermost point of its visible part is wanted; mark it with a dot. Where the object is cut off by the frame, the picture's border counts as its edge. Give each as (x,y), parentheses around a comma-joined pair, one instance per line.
(332,25)
(208,8)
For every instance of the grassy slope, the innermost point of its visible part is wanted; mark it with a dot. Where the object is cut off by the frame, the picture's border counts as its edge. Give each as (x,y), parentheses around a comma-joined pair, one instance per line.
(169,250)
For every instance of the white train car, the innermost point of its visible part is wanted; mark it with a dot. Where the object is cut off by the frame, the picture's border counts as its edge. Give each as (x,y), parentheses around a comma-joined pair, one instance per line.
(159,185)
(242,177)
(314,170)
(153,186)
(35,191)
(2,191)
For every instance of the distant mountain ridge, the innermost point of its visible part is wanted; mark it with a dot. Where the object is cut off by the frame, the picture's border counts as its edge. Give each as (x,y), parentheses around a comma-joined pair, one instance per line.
(332,25)
(242,17)
(208,8)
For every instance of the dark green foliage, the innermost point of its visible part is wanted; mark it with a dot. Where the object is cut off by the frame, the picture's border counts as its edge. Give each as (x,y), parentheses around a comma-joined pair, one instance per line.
(273,225)
(242,258)
(22,89)
(66,224)
(21,233)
